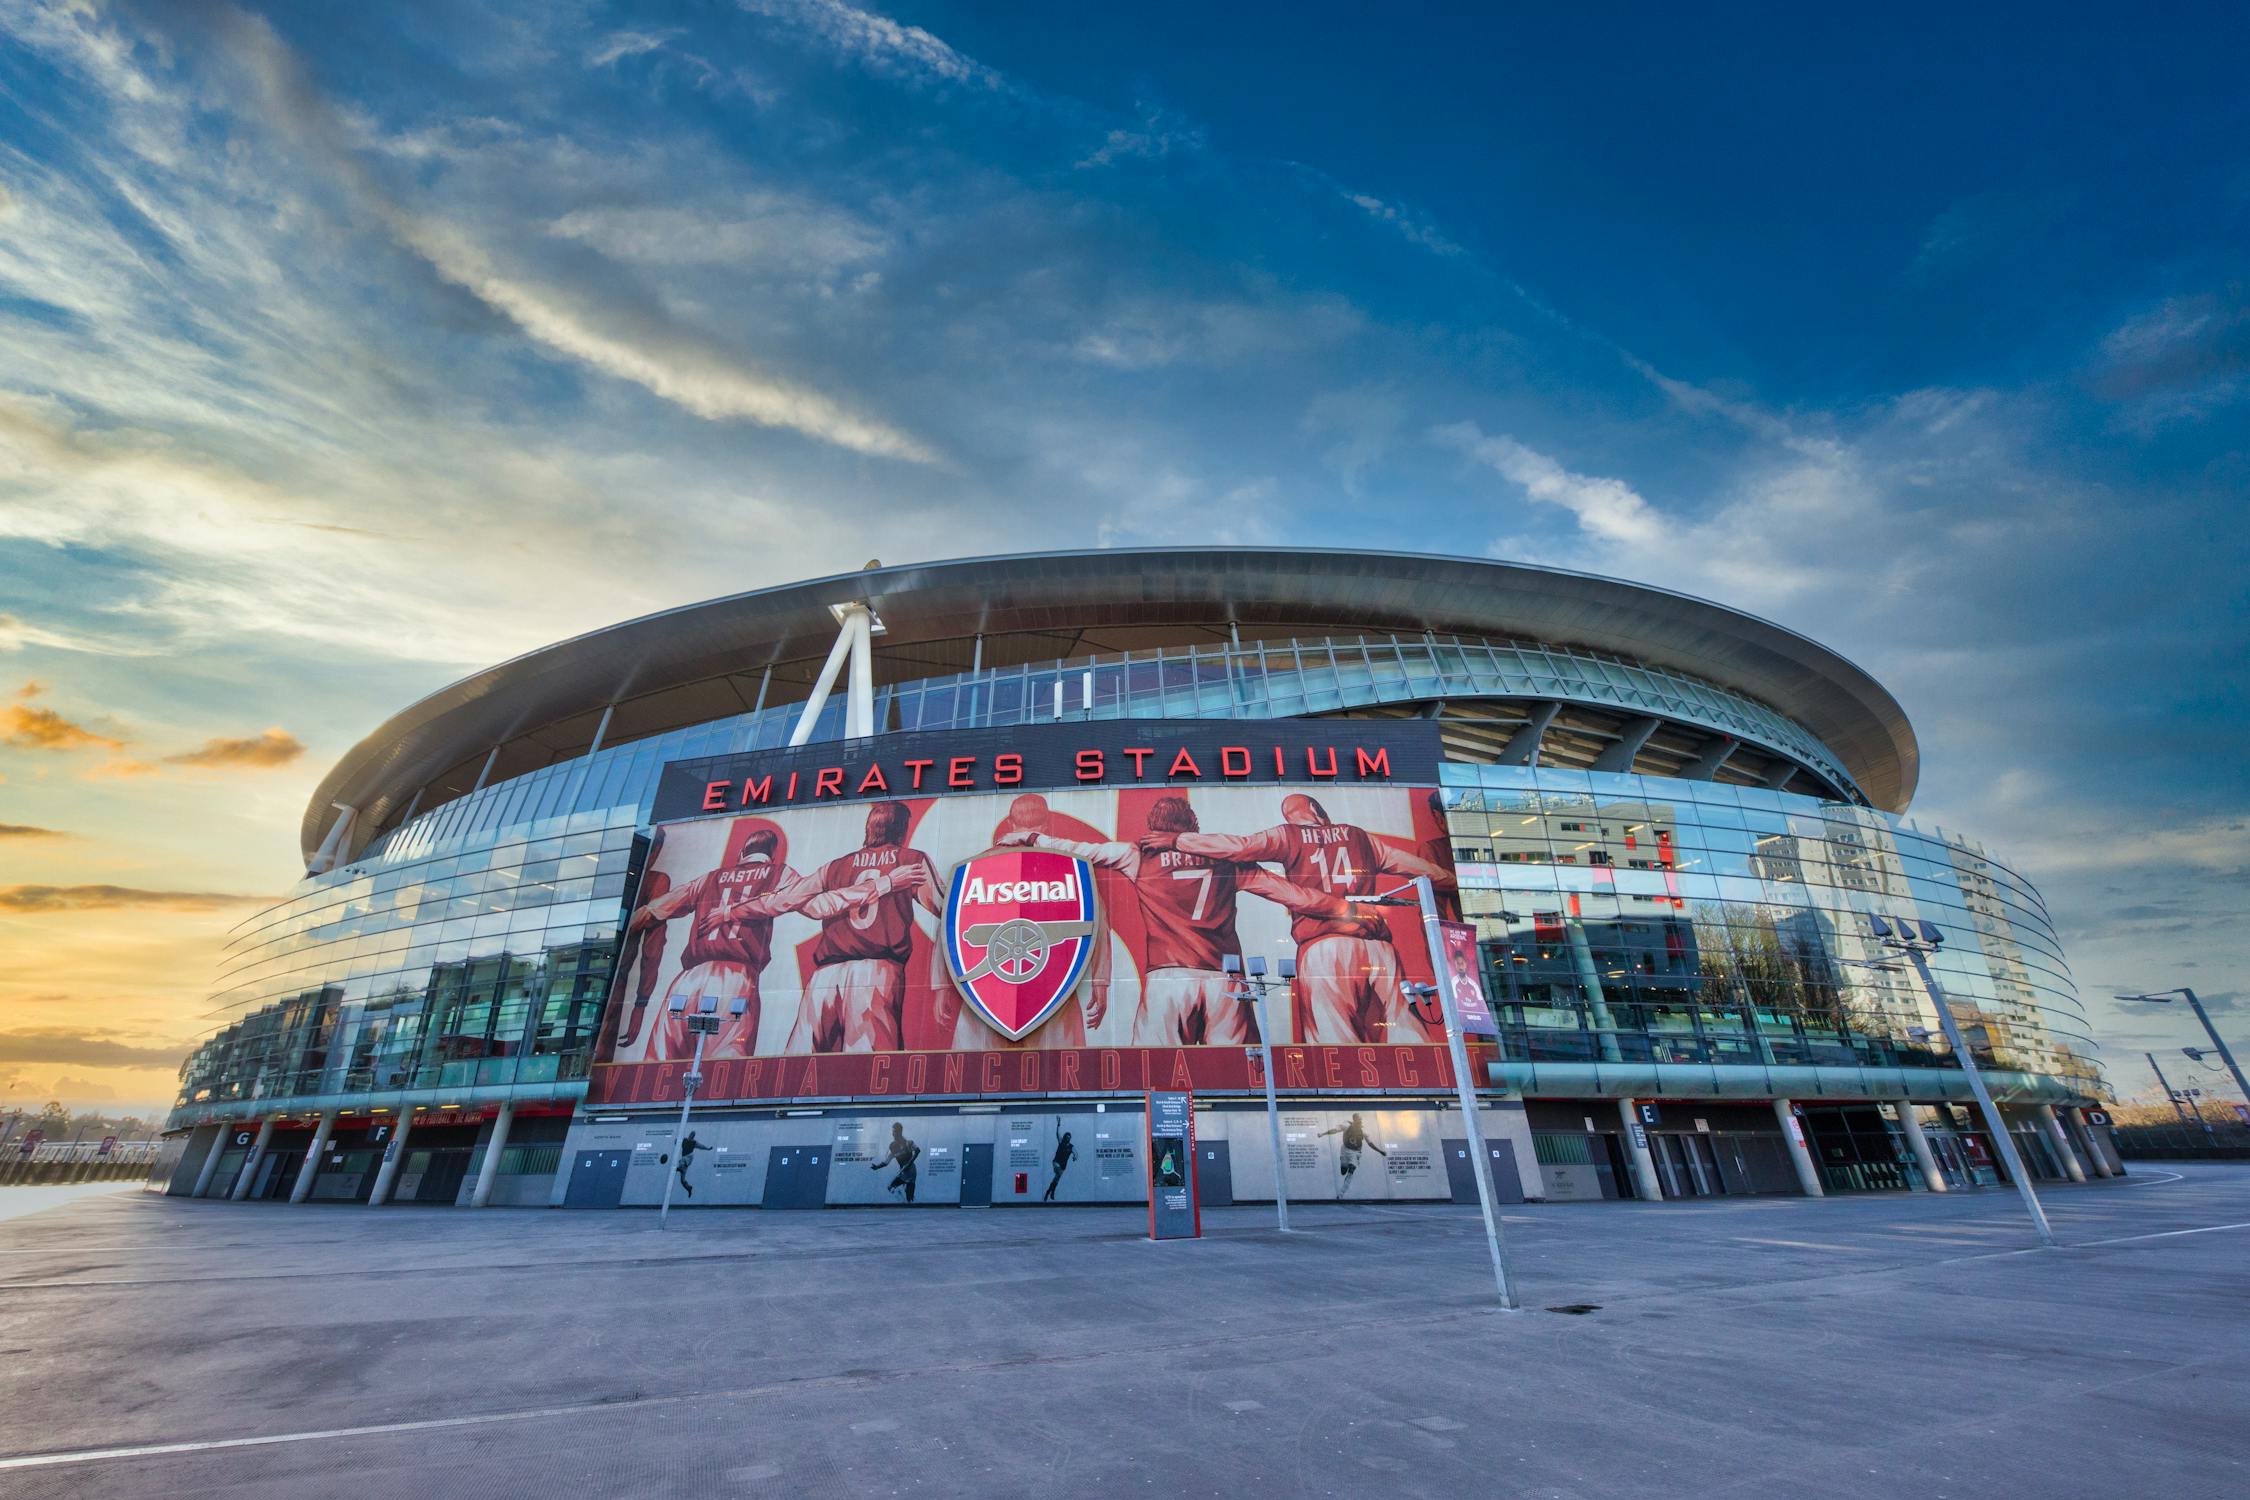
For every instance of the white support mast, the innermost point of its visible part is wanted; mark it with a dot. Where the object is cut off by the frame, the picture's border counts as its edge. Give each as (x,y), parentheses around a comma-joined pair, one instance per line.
(857,626)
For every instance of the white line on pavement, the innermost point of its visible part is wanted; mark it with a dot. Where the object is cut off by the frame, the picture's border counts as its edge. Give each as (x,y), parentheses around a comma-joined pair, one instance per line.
(2160,1235)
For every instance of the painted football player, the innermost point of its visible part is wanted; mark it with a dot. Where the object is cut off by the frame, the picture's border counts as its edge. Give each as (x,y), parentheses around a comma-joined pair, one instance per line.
(1188,926)
(1350,987)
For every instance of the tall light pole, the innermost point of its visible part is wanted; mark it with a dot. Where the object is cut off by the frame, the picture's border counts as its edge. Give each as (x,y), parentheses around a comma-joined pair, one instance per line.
(1918,943)
(2174,1095)
(703,1023)
(1251,990)
(2164,997)
(1480,1160)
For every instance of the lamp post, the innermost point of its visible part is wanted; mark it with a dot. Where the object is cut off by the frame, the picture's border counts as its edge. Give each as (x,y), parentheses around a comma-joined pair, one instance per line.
(2166,1084)
(703,1023)
(1480,1161)
(1917,943)
(1250,989)
(2165,997)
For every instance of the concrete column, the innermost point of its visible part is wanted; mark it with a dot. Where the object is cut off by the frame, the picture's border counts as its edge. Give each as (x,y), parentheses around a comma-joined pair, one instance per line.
(311,1167)
(394,1152)
(492,1150)
(1800,1149)
(2063,1147)
(1644,1165)
(210,1163)
(2105,1144)
(2074,1119)
(1910,1125)
(249,1170)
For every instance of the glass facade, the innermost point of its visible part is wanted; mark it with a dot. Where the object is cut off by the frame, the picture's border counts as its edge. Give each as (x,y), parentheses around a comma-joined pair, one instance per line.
(1630,920)
(1638,919)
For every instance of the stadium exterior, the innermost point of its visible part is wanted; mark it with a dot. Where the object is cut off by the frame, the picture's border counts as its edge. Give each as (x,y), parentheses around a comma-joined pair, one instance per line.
(1667,821)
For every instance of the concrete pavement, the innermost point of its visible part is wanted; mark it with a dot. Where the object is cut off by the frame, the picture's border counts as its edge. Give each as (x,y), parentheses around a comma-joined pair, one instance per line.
(1855,1346)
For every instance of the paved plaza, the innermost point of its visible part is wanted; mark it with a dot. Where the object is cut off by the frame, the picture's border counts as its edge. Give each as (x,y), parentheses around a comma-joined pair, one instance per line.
(1881,1346)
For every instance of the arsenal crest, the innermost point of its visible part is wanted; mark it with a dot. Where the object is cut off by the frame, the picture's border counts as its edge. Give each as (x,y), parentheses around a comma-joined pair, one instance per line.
(1019,931)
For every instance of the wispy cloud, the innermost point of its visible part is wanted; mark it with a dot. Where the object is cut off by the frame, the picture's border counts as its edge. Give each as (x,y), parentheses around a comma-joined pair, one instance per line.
(640,347)
(77,898)
(26,726)
(879,43)
(275,747)
(27,831)
(623,44)
(1417,230)
(1608,509)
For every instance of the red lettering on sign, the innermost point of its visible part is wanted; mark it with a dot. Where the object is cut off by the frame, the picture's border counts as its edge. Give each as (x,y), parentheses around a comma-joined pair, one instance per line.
(879,1074)
(1007,770)
(1184,764)
(956,1071)
(1368,1077)
(1312,762)
(917,1071)
(1331,1068)
(828,781)
(791,794)
(1181,1079)
(1140,755)
(918,767)
(1090,765)
(1027,1071)
(1278,768)
(1112,1071)
(809,1081)
(1407,1077)
(873,781)
(1229,765)
(715,796)
(957,771)
(1378,764)
(757,790)
(1070,1069)
(750,1076)
(989,1079)
(1295,1059)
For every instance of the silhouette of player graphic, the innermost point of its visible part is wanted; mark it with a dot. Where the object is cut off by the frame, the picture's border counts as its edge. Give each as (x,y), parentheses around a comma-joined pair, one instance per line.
(1347,1160)
(1064,1151)
(688,1147)
(905,1152)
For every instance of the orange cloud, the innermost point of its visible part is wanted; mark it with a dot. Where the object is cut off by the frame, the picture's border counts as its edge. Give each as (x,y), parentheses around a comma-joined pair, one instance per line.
(118,770)
(51,898)
(24,727)
(276,747)
(83,1049)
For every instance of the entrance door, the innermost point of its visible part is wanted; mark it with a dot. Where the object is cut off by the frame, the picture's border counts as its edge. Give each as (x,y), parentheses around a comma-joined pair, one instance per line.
(1617,1182)
(976,1174)
(277,1175)
(439,1177)
(1214,1175)
(797,1177)
(1500,1161)
(597,1180)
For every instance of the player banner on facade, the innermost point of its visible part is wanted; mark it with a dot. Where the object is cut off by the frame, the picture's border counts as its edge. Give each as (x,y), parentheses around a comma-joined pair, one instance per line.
(1469,1003)
(1078,923)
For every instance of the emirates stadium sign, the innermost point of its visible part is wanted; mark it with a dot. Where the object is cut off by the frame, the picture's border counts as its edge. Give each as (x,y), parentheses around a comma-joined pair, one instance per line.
(1019,929)
(1044,757)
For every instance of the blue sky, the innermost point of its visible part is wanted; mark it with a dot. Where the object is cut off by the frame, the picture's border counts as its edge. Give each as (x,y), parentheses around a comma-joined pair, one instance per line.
(344,349)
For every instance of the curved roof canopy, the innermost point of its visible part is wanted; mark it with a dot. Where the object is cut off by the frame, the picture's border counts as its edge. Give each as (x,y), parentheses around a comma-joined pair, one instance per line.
(1065,593)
